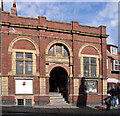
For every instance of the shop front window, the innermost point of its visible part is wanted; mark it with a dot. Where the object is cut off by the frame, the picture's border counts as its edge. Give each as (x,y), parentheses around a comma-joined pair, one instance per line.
(91,86)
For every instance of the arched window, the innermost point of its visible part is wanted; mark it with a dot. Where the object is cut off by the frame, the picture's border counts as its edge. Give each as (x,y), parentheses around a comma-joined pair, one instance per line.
(90,67)
(58,49)
(51,50)
(66,53)
(23,58)
(89,61)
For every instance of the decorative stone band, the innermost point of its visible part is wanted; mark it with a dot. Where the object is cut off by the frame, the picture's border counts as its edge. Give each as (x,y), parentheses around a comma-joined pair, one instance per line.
(26,78)
(91,79)
(55,38)
(54,29)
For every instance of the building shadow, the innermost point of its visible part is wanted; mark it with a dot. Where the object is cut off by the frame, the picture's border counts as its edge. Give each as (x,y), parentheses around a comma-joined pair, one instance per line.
(82,98)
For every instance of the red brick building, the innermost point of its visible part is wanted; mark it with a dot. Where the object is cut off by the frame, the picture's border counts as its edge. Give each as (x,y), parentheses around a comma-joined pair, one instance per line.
(40,56)
(113,66)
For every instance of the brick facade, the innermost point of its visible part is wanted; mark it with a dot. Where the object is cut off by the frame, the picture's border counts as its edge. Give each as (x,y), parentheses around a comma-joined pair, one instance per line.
(35,35)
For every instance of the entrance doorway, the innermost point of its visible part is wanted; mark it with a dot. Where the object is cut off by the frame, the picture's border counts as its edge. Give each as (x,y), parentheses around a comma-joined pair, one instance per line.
(59,81)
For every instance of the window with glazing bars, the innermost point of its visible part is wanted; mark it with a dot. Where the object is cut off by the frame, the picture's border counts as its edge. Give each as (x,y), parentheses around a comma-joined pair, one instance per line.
(89,67)
(59,48)
(23,63)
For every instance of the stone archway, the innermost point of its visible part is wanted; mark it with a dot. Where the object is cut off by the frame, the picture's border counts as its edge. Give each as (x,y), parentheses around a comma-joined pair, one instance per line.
(53,57)
(59,82)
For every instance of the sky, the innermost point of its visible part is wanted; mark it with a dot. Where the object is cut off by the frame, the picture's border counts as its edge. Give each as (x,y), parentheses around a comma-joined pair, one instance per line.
(89,12)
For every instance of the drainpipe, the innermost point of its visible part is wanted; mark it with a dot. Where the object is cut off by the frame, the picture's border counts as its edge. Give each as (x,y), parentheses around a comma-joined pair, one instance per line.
(2,5)
(39,50)
(118,39)
(102,63)
(0,36)
(72,48)
(72,60)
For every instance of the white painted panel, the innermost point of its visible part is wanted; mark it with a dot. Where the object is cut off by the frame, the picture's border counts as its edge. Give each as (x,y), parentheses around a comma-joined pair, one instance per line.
(24,86)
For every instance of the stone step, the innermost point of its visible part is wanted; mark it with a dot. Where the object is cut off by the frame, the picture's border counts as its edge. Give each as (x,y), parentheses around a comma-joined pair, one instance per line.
(57,99)
(63,104)
(53,101)
(58,104)
(55,94)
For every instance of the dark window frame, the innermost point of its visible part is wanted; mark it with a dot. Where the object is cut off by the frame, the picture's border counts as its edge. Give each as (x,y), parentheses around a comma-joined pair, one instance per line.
(87,62)
(18,60)
(25,61)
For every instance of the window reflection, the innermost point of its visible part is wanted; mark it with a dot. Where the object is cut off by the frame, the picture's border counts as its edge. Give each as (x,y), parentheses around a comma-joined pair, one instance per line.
(19,56)
(86,66)
(19,67)
(65,52)
(51,51)
(23,62)
(28,56)
(28,67)
(59,48)
(89,66)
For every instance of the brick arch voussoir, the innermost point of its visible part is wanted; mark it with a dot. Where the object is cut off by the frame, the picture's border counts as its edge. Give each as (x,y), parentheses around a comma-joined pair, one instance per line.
(59,65)
(60,42)
(23,38)
(89,45)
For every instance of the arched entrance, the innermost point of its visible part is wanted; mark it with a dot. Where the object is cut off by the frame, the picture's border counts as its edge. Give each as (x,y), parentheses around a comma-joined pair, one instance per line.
(59,81)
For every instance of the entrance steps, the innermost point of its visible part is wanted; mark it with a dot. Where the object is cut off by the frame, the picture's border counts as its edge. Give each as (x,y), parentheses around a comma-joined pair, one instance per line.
(56,99)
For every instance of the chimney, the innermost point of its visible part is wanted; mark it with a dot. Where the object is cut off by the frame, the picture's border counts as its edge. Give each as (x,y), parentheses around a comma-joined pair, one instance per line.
(2,5)
(14,9)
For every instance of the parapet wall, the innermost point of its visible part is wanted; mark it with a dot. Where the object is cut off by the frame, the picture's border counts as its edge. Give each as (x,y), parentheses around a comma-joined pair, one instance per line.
(41,21)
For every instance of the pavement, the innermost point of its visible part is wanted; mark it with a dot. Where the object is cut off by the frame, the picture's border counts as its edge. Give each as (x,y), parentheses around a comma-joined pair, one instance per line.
(51,110)
(104,107)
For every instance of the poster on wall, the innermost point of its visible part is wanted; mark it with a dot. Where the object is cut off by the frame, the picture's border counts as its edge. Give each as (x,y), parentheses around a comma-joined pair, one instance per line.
(24,86)
(91,86)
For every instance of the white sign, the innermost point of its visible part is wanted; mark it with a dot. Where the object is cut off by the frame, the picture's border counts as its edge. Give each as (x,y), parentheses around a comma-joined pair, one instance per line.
(24,86)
